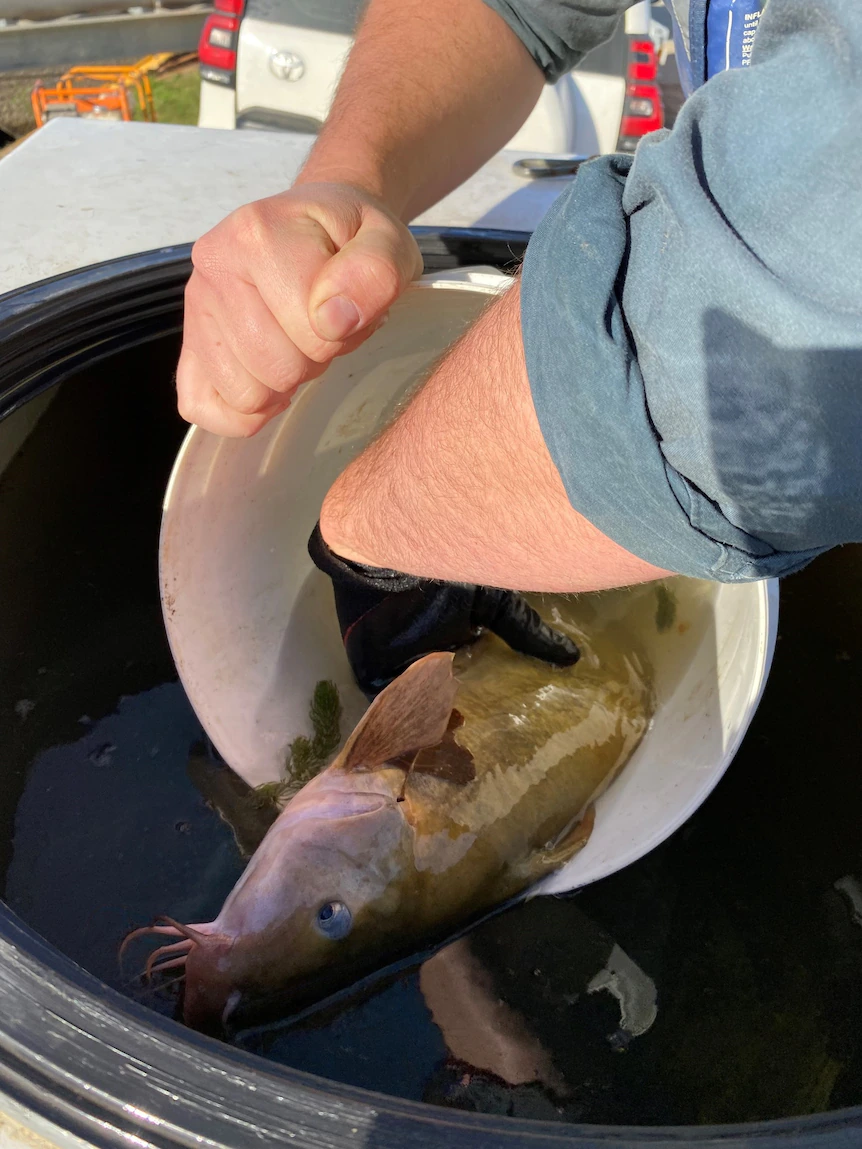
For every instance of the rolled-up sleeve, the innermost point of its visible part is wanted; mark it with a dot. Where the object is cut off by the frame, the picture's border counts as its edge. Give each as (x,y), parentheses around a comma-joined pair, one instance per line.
(559,33)
(692,317)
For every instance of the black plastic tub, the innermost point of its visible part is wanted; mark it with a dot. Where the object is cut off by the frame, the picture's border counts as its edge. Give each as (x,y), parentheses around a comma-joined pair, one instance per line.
(78,1059)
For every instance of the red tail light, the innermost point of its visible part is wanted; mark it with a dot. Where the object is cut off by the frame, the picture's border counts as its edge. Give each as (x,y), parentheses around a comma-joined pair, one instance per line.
(217,45)
(643,64)
(643,111)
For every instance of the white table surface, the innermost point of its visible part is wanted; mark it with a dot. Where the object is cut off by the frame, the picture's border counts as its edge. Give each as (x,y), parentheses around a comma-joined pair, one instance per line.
(79,192)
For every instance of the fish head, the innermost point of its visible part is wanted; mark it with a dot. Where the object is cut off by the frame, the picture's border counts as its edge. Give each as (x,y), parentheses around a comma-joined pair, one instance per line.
(324,896)
(330,893)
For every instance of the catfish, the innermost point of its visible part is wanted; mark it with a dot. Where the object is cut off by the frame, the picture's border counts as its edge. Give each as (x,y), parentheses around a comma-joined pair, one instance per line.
(468,779)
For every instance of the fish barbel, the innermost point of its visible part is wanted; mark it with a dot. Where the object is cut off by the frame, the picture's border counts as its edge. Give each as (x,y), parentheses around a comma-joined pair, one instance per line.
(467,780)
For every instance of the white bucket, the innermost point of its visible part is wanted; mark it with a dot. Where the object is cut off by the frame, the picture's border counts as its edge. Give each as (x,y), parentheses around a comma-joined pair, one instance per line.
(252,627)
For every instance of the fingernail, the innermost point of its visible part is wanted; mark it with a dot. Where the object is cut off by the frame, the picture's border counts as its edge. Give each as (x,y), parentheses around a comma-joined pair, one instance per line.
(337,318)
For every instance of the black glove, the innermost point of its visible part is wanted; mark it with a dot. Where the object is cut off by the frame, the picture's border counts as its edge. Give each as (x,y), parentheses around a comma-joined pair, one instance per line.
(388,619)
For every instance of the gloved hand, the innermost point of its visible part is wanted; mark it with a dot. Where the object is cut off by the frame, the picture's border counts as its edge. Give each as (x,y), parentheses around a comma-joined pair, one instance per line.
(388,619)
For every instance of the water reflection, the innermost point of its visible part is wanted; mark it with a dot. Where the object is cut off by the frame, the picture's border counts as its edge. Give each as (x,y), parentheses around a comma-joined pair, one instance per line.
(108,824)
(507,1019)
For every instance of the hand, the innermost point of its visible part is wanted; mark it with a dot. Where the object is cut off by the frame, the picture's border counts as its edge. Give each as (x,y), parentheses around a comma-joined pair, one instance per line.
(279,288)
(388,620)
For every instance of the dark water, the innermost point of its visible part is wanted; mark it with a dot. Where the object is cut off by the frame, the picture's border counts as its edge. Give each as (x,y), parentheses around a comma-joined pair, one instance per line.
(96,813)
(716,980)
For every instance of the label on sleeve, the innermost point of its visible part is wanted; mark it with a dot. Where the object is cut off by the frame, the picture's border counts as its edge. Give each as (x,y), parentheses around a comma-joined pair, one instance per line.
(731,26)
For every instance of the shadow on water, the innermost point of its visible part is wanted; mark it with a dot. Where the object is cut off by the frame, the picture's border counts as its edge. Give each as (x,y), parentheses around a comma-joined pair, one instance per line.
(715,980)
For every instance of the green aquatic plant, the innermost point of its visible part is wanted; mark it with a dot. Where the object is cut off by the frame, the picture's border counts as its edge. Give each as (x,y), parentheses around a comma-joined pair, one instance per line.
(306,757)
(325,715)
(665,612)
(267,794)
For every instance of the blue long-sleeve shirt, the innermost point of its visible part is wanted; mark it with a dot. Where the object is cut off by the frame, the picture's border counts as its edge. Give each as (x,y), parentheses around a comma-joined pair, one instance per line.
(692,316)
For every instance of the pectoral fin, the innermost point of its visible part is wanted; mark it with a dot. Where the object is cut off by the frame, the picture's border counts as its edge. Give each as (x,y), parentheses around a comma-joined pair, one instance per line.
(448,760)
(231,798)
(411,715)
(555,855)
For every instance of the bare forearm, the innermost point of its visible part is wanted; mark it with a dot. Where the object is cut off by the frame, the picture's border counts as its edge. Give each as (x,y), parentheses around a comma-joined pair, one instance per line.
(432,89)
(283,286)
(461,485)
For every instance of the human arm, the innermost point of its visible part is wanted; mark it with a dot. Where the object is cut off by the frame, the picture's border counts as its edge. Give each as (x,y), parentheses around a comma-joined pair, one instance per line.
(461,485)
(691,317)
(431,90)
(691,325)
(283,285)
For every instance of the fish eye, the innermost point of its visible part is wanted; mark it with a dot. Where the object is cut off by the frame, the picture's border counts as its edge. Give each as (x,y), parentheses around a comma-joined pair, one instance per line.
(334,919)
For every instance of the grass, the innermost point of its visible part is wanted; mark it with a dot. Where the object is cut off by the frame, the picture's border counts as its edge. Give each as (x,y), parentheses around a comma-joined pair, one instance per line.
(16,114)
(177,96)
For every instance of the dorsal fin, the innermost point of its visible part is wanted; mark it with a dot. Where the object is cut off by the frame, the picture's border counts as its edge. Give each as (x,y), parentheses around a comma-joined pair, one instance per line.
(409,715)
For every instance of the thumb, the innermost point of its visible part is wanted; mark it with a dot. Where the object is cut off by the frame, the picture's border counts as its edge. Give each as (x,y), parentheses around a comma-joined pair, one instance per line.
(511,618)
(360,282)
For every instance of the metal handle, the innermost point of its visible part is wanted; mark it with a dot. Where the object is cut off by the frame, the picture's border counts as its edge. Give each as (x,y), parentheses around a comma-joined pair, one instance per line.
(544,168)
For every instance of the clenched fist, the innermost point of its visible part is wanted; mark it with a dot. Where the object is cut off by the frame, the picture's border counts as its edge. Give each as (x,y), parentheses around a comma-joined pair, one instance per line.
(279,288)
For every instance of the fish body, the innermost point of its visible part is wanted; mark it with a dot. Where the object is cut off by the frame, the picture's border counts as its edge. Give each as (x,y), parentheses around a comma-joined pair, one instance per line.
(463,784)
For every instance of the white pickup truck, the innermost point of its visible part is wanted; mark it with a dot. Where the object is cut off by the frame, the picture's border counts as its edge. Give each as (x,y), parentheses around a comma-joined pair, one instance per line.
(274,64)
